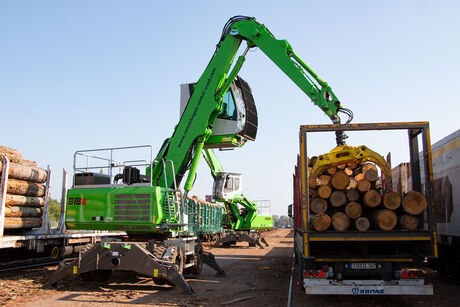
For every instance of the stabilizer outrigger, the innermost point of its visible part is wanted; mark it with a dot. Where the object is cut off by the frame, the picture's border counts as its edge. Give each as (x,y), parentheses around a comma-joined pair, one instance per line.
(97,262)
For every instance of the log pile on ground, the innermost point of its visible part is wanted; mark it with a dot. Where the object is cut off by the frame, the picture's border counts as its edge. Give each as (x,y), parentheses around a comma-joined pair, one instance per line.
(349,197)
(25,191)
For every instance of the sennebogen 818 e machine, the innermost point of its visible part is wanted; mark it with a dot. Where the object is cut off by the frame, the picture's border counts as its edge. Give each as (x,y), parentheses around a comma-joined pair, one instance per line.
(150,206)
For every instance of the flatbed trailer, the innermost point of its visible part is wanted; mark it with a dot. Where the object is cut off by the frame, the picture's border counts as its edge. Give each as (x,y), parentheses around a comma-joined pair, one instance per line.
(374,262)
(56,242)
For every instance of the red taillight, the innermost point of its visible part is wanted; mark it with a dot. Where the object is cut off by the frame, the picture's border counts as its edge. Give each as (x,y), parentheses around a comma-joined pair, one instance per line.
(404,275)
(412,274)
(315,274)
(307,274)
(321,274)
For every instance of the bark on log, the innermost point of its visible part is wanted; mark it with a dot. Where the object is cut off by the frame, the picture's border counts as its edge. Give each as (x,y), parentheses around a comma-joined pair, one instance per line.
(386,219)
(324,180)
(353,183)
(324,191)
(409,222)
(313,193)
(338,198)
(414,202)
(340,180)
(22,223)
(19,200)
(25,172)
(372,198)
(371,175)
(15,156)
(392,200)
(352,194)
(312,182)
(321,222)
(21,187)
(318,205)
(340,221)
(332,170)
(363,185)
(362,223)
(22,212)
(353,210)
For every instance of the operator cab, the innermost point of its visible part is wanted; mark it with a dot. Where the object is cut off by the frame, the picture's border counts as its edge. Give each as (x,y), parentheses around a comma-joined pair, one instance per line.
(237,121)
(227,186)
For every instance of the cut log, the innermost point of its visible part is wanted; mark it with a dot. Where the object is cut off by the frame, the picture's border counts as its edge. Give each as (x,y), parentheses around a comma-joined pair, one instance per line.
(353,210)
(14,211)
(324,191)
(340,180)
(22,222)
(19,200)
(372,198)
(363,185)
(340,221)
(371,175)
(353,183)
(348,171)
(321,222)
(408,222)
(312,182)
(21,187)
(368,166)
(338,198)
(359,177)
(313,193)
(392,200)
(25,172)
(362,223)
(352,165)
(342,166)
(352,194)
(318,205)
(386,219)
(356,171)
(15,156)
(414,202)
(324,180)
(309,170)
(332,170)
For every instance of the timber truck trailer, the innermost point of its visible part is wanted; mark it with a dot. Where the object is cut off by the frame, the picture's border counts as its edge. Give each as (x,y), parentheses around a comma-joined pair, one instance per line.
(372,262)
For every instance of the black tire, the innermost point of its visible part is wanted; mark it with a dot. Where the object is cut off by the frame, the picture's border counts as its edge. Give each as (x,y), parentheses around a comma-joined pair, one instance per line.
(198,267)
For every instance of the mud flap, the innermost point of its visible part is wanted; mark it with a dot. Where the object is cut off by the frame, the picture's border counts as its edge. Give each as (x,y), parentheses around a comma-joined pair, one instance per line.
(118,256)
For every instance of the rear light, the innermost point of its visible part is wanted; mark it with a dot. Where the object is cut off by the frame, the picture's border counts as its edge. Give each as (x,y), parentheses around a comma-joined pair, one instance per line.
(315,274)
(412,274)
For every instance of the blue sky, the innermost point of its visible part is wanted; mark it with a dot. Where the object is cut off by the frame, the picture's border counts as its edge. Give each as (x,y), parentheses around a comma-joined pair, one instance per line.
(91,74)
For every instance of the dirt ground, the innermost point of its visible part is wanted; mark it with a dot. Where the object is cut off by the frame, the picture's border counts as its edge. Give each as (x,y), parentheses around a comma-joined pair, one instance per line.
(255,277)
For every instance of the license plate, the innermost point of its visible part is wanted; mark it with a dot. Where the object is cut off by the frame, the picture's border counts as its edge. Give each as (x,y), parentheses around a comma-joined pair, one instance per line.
(363,266)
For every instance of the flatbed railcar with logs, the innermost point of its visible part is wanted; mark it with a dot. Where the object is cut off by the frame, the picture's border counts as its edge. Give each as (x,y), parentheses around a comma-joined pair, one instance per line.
(359,242)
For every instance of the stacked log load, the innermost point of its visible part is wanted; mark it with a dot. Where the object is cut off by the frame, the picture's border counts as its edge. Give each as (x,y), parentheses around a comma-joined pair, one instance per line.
(25,191)
(349,197)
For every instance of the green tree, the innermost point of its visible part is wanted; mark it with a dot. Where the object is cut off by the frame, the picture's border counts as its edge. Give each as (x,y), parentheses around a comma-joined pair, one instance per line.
(54,211)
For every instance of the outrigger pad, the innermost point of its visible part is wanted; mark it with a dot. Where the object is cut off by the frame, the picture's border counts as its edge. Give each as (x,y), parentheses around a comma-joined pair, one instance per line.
(210,260)
(120,256)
